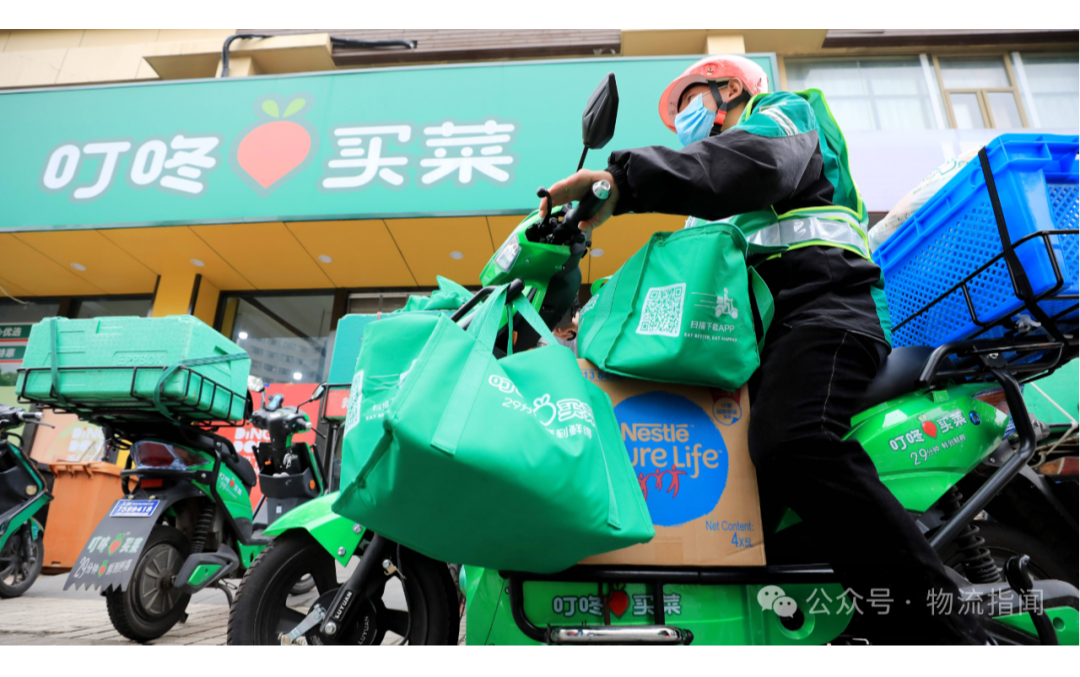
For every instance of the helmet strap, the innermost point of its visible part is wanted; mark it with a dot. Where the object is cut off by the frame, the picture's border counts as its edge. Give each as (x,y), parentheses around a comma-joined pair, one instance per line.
(722,106)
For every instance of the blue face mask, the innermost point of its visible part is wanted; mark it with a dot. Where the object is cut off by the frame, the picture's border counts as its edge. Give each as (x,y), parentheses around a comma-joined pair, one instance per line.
(695,121)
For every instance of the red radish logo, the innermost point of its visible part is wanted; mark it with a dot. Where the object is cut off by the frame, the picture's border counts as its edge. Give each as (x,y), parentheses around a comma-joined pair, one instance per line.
(619,602)
(929,428)
(275,149)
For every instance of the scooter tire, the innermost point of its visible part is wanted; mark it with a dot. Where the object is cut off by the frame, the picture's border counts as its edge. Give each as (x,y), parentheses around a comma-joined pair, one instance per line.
(255,617)
(127,609)
(37,556)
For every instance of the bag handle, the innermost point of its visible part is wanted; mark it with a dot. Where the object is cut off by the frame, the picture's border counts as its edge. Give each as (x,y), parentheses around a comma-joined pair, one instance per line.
(456,415)
(485,329)
(761,303)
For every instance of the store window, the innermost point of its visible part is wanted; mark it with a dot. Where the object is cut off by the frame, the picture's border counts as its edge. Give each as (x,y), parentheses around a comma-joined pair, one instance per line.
(86,308)
(28,312)
(286,335)
(980,92)
(370,303)
(869,94)
(1053,89)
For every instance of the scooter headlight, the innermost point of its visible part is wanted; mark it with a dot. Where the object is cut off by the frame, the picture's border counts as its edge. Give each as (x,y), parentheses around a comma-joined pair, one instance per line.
(147,454)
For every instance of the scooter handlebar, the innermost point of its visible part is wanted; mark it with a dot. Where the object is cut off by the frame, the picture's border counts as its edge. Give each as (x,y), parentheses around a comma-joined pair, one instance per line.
(586,208)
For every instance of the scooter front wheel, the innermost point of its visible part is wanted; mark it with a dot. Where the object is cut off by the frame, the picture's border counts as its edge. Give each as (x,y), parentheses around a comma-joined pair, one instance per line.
(151,606)
(265,609)
(20,562)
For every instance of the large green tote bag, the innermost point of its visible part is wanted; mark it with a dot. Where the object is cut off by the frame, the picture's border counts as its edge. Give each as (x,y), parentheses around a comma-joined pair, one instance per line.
(684,309)
(513,464)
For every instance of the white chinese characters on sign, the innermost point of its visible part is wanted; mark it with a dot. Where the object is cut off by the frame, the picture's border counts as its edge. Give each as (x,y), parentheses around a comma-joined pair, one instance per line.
(355,167)
(190,157)
(459,149)
(151,164)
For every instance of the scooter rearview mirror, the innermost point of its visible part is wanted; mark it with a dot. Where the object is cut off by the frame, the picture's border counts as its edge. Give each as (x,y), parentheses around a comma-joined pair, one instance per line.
(598,120)
(318,392)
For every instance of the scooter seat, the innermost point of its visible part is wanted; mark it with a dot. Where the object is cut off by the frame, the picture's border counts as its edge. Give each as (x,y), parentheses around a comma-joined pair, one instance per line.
(242,467)
(898,375)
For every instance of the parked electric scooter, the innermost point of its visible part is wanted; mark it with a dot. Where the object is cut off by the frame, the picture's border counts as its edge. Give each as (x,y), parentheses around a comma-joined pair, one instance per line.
(185,523)
(973,385)
(23,496)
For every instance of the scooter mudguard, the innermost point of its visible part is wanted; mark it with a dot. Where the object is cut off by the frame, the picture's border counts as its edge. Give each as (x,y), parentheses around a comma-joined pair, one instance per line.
(108,559)
(205,569)
(338,535)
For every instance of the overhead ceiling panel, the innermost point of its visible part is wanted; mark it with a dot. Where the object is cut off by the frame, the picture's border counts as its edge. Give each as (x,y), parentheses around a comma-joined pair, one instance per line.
(361,253)
(172,250)
(38,274)
(457,248)
(266,254)
(12,289)
(107,267)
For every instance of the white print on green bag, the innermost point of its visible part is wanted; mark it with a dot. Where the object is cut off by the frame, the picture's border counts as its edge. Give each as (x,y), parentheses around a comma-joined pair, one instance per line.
(547,411)
(661,314)
(352,409)
(718,305)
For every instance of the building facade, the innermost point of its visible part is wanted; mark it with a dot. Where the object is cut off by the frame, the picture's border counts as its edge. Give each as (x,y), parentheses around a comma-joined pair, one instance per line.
(320,173)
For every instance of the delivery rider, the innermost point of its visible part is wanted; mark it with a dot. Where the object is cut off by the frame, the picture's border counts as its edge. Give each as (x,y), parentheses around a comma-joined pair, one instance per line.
(775,165)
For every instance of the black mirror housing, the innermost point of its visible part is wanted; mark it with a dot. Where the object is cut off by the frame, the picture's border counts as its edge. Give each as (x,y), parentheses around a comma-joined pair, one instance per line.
(598,120)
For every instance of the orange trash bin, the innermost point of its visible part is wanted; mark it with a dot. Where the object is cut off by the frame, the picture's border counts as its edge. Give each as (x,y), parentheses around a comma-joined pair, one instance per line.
(82,495)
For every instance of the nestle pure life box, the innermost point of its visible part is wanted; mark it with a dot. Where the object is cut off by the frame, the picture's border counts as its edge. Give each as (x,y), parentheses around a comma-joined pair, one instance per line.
(688,446)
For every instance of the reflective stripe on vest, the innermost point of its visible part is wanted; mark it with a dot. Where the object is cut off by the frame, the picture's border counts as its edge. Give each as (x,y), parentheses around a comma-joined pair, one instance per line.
(792,231)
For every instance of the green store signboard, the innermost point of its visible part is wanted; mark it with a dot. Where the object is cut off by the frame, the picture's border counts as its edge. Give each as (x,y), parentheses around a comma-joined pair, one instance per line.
(387,143)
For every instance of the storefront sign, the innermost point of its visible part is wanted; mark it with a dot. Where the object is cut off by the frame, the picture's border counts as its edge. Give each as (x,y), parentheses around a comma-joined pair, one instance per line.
(406,142)
(13,339)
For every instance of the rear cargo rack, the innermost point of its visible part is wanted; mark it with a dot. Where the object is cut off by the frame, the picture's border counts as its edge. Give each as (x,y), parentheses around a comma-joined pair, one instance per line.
(141,407)
(1022,288)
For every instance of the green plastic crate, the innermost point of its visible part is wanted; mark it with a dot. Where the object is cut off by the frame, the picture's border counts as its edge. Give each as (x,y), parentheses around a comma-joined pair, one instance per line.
(100,358)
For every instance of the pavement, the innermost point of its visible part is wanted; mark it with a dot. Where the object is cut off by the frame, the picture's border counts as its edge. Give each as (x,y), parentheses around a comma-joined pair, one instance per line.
(47,614)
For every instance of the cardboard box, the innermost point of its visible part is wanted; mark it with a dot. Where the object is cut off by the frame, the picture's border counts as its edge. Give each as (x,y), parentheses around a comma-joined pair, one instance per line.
(688,445)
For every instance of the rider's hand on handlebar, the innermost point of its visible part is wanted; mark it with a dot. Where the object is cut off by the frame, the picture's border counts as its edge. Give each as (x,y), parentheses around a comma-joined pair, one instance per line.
(573,188)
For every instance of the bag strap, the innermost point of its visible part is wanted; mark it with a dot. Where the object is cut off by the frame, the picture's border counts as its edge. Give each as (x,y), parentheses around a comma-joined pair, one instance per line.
(529,314)
(54,361)
(452,423)
(456,415)
(159,388)
(761,303)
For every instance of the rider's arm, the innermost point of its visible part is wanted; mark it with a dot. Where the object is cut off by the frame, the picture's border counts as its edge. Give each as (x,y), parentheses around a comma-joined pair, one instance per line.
(769,157)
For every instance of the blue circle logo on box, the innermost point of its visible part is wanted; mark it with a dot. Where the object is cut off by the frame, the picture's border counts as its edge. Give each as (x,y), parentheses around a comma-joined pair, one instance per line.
(679,456)
(727,411)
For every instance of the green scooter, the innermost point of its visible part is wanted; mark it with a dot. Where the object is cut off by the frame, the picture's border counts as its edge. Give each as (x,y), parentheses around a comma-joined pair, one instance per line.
(185,522)
(971,388)
(23,496)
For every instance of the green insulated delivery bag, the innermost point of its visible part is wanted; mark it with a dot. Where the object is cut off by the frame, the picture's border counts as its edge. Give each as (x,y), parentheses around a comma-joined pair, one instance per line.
(136,366)
(509,464)
(684,309)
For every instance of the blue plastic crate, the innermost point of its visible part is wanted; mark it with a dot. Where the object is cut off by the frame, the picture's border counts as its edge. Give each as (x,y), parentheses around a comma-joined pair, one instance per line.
(955,233)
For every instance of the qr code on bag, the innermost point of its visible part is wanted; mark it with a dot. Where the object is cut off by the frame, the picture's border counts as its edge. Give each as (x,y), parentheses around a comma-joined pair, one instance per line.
(662,313)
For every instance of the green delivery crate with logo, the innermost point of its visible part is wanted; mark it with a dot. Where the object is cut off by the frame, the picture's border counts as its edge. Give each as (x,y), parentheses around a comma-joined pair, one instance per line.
(177,366)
